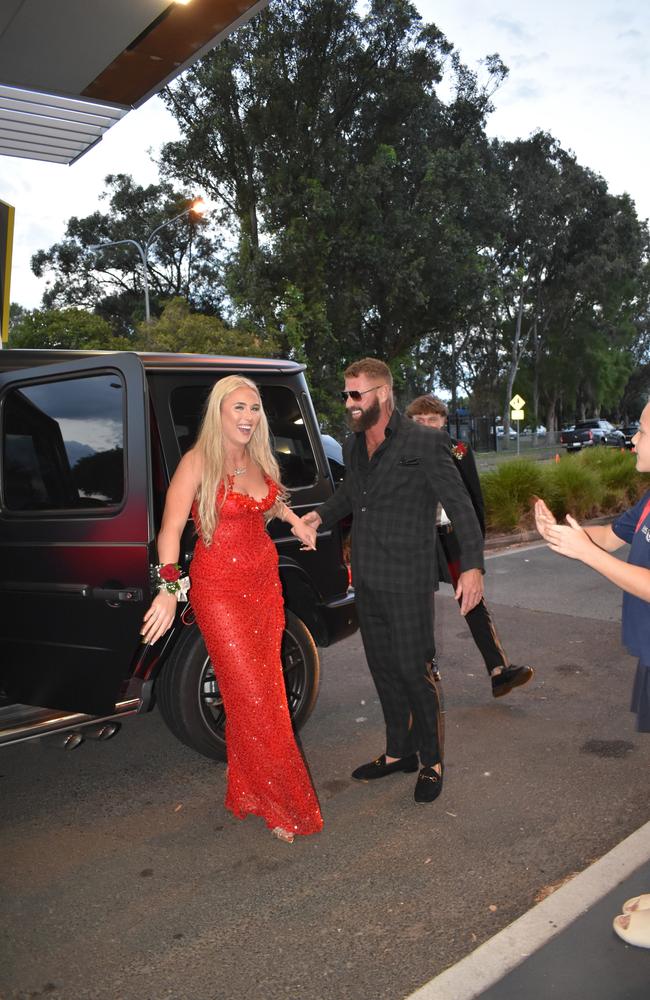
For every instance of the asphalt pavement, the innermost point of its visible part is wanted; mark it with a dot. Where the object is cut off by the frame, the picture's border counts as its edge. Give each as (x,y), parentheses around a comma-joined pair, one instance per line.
(564,946)
(123,878)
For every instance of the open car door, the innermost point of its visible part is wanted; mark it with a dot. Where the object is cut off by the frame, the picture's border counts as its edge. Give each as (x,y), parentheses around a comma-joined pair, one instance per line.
(76,530)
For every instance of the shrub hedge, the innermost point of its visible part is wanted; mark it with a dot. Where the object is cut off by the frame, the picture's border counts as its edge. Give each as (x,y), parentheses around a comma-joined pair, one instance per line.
(593,483)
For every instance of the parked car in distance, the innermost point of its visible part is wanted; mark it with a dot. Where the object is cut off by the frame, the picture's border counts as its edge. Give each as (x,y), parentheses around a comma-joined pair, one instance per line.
(590,432)
(89,442)
(628,431)
(501,431)
(536,431)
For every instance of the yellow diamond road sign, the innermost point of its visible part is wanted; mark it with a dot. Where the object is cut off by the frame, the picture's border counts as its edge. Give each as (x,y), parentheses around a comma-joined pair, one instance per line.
(517,403)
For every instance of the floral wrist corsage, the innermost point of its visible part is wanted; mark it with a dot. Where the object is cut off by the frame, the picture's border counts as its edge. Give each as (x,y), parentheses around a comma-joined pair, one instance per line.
(459,450)
(168,576)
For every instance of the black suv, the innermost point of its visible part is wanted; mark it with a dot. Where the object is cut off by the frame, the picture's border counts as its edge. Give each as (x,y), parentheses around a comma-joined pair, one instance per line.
(89,442)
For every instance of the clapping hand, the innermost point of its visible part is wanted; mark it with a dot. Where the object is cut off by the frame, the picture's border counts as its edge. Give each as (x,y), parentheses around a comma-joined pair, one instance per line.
(569,539)
(544,518)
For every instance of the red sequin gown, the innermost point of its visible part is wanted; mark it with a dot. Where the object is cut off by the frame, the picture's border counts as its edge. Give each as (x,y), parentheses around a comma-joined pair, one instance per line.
(237,597)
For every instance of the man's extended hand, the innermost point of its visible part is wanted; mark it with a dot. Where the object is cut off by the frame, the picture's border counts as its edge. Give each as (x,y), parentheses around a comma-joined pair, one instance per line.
(313,519)
(469,589)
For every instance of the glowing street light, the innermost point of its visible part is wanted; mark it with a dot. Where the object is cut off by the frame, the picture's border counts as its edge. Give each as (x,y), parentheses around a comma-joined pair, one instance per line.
(198,208)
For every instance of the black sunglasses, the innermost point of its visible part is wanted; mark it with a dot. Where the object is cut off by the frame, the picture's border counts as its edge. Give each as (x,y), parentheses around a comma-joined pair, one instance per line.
(356,394)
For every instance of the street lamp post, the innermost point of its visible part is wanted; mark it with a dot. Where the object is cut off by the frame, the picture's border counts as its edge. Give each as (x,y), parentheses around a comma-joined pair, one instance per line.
(198,207)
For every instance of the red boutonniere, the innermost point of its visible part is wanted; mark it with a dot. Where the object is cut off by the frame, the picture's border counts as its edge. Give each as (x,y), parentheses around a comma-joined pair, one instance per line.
(459,450)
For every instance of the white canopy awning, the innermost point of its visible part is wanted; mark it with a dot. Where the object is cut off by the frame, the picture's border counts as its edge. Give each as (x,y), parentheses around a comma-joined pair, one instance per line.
(69,69)
(50,127)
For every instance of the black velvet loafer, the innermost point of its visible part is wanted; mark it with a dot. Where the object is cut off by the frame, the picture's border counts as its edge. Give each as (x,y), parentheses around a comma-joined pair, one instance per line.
(379,768)
(428,786)
(509,678)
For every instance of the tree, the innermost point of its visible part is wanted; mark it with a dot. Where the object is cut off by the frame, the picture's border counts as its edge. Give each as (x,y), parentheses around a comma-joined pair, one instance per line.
(637,389)
(594,290)
(563,259)
(16,314)
(321,133)
(65,329)
(183,258)
(179,330)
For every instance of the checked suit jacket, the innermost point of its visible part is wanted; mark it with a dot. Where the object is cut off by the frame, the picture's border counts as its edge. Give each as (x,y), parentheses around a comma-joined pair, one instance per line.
(393,499)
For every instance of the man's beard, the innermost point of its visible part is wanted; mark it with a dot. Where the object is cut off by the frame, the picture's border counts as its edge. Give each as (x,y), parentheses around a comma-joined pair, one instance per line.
(367,419)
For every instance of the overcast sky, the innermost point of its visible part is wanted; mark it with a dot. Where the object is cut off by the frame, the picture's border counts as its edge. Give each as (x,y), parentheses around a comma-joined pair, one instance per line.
(579,69)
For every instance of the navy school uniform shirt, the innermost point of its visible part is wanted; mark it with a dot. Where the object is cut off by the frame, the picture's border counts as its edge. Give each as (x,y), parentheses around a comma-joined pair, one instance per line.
(634,527)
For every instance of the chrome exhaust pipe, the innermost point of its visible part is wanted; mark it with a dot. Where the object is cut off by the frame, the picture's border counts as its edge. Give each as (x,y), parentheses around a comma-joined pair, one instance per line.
(71,741)
(105,731)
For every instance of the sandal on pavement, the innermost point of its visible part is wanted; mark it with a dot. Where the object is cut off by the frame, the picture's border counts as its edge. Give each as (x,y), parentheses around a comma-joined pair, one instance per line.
(282,834)
(637,903)
(634,928)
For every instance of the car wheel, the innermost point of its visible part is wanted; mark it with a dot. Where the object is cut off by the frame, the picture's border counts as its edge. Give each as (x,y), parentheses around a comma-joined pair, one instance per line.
(188,693)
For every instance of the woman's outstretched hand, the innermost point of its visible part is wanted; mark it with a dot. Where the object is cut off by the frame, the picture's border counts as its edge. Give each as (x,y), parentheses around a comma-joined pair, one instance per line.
(159,617)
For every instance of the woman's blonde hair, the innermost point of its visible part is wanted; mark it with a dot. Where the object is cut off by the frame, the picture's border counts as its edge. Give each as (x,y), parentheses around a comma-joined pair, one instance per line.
(210,447)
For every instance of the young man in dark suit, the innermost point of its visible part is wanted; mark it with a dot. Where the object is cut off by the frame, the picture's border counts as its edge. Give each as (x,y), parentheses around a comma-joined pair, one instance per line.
(432,412)
(396,473)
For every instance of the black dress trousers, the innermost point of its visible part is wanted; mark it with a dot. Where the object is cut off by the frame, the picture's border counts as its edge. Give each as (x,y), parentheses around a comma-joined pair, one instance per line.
(397,633)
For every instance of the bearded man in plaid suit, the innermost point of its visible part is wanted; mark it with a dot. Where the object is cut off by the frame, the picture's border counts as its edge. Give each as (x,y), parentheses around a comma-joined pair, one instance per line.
(396,474)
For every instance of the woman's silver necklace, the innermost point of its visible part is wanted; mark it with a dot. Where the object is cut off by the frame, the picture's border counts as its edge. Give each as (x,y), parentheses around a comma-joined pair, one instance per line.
(239,472)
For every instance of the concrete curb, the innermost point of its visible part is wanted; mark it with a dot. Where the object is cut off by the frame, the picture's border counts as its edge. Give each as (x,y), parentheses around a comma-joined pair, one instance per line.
(498,956)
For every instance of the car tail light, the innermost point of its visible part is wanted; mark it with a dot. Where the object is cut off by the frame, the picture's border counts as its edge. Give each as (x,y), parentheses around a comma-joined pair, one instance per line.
(591,436)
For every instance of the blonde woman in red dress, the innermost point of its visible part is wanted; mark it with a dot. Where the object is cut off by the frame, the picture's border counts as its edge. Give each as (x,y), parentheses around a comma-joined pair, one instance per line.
(230,480)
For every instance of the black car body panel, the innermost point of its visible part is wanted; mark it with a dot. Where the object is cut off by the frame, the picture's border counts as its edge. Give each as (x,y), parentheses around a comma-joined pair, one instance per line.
(76,567)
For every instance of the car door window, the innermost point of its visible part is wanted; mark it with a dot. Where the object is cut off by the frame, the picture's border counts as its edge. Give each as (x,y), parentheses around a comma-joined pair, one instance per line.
(63,444)
(289,438)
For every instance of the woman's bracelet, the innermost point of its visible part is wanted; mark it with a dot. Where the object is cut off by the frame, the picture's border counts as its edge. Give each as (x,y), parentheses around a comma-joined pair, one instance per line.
(169,577)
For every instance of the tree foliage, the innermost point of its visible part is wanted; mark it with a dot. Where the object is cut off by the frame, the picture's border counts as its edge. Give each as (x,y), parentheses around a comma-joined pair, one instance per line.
(179,330)
(321,132)
(362,210)
(65,329)
(182,259)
